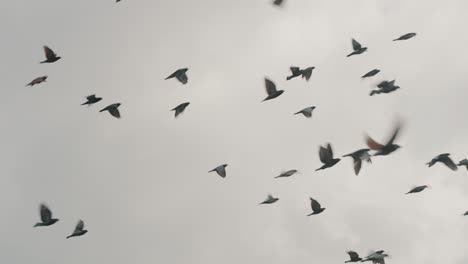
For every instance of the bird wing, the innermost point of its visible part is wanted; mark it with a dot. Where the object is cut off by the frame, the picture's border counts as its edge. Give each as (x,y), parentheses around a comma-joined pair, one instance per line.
(221,171)
(49,53)
(306,73)
(79,227)
(91,97)
(315,205)
(172,75)
(330,152)
(357,166)
(356,45)
(270,87)
(270,197)
(395,134)
(372,144)
(295,70)
(323,154)
(182,77)
(114,112)
(278,2)
(449,163)
(46,214)
(353,255)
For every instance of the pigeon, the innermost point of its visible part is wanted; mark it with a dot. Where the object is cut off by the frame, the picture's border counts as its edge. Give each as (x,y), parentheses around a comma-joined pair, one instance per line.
(296,72)
(357,47)
(91,99)
(221,170)
(46,217)
(269,200)
(79,230)
(385,87)
(444,158)
(466,213)
(50,55)
(406,36)
(326,157)
(288,173)
(386,149)
(358,156)
(38,80)
(463,162)
(180,74)
(316,207)
(418,189)
(271,90)
(278,2)
(307,112)
(113,110)
(371,73)
(353,257)
(376,258)
(180,109)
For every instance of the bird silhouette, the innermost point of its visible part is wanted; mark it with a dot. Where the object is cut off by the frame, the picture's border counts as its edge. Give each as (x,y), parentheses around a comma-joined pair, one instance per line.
(221,170)
(316,207)
(389,147)
(353,257)
(46,216)
(296,72)
(371,73)
(271,90)
(180,109)
(417,189)
(50,55)
(278,2)
(91,99)
(180,75)
(307,112)
(38,80)
(113,109)
(326,157)
(358,156)
(377,258)
(79,230)
(463,162)
(405,36)
(269,200)
(357,48)
(445,159)
(385,87)
(288,173)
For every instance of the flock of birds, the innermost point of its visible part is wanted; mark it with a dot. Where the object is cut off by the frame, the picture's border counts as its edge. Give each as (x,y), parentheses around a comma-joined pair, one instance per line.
(325,153)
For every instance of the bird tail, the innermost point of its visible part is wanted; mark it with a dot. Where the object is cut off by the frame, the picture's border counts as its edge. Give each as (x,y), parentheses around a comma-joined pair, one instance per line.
(429,164)
(310,214)
(396,39)
(38,224)
(69,236)
(211,170)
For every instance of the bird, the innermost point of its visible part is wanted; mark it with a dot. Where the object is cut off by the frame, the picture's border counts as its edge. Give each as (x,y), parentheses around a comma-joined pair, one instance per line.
(326,157)
(271,90)
(46,217)
(79,230)
(278,2)
(385,87)
(316,207)
(386,149)
(50,55)
(357,48)
(353,257)
(91,99)
(307,112)
(296,72)
(288,173)
(376,257)
(418,189)
(405,36)
(358,156)
(270,199)
(180,75)
(466,213)
(444,158)
(38,80)
(463,162)
(180,109)
(371,73)
(221,170)
(113,110)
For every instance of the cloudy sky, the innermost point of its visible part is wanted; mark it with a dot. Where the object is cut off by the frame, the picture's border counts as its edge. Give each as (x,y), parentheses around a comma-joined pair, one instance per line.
(141,183)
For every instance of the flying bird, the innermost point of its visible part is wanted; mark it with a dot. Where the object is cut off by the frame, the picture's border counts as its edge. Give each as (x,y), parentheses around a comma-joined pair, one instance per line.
(79,230)
(271,90)
(307,112)
(406,36)
(296,72)
(180,109)
(353,257)
(376,258)
(46,217)
(445,159)
(278,2)
(288,173)
(316,207)
(326,157)
(91,99)
(386,149)
(180,75)
(269,200)
(50,55)
(418,189)
(113,110)
(466,213)
(385,87)
(371,73)
(221,170)
(38,80)
(358,156)
(463,162)
(357,48)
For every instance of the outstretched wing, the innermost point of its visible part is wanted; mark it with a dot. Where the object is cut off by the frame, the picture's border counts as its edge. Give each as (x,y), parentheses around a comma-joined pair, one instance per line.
(353,255)
(295,70)
(329,152)
(395,133)
(449,163)
(315,205)
(49,53)
(323,154)
(79,227)
(356,45)
(306,73)
(372,144)
(357,166)
(182,77)
(46,214)
(114,112)
(270,87)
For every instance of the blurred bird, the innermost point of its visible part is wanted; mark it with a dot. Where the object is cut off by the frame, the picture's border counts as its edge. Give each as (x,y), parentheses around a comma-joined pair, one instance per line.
(326,157)
(386,149)
(180,75)
(316,207)
(91,99)
(405,36)
(180,109)
(288,173)
(463,162)
(296,72)
(353,257)
(79,230)
(418,189)
(46,217)
(358,156)
(371,73)
(117,1)
(271,90)
(278,2)
(50,55)
(444,158)
(466,213)
(307,112)
(270,199)
(113,110)
(385,87)
(221,170)
(357,47)
(376,258)
(38,80)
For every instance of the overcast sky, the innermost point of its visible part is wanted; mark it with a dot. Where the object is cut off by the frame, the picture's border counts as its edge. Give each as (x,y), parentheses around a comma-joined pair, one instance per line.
(141,183)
